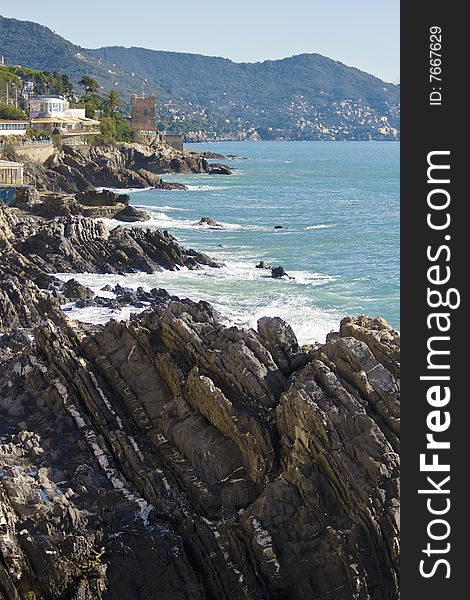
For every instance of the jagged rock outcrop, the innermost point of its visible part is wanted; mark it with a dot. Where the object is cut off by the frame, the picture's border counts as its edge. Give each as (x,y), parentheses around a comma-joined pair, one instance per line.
(23,304)
(76,169)
(76,244)
(193,460)
(33,249)
(92,203)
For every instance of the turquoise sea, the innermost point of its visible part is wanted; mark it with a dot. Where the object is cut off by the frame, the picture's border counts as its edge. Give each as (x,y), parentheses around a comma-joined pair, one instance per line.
(338,204)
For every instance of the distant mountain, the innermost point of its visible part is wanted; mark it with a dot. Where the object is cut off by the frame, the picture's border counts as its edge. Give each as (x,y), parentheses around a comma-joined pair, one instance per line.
(307,96)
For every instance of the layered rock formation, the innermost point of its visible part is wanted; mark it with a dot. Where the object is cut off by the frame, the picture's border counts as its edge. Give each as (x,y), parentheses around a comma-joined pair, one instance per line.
(92,203)
(76,169)
(33,249)
(191,460)
(170,456)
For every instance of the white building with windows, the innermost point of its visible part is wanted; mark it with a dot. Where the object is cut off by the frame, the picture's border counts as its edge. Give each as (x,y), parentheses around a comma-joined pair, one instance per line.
(9,128)
(48,106)
(55,115)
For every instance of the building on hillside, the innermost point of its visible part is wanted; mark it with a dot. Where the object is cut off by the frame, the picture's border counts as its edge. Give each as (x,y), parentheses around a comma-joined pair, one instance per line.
(144,114)
(28,90)
(11,173)
(9,128)
(48,106)
(55,115)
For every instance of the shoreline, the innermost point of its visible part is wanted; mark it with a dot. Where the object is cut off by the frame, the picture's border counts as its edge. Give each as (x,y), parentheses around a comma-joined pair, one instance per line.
(209,459)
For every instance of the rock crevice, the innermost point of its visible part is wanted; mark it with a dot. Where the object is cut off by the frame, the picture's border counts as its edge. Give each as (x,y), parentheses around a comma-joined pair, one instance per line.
(212,462)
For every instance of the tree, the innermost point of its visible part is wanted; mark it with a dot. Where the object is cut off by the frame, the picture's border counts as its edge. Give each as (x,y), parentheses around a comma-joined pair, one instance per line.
(65,84)
(52,83)
(92,103)
(116,128)
(91,85)
(10,112)
(112,101)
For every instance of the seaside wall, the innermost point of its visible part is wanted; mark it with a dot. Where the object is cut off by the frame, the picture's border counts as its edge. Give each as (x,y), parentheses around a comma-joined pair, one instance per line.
(37,154)
(175,141)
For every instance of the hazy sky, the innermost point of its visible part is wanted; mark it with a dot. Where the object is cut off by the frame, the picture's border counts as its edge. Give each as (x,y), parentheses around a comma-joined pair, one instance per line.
(360,33)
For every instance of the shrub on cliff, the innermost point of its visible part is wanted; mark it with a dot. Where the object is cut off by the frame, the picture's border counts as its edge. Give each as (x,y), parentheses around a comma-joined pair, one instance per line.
(116,128)
(11,112)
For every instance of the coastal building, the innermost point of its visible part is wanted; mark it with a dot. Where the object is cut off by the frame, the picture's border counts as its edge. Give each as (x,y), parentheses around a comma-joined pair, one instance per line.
(144,122)
(9,128)
(11,173)
(47,106)
(144,114)
(55,115)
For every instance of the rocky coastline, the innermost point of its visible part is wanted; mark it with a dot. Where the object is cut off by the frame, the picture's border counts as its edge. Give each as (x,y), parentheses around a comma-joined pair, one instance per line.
(78,168)
(33,249)
(170,455)
(78,179)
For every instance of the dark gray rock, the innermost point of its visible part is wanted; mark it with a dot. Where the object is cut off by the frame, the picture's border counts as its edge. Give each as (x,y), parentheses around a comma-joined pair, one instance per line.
(206,221)
(219,169)
(191,460)
(73,290)
(278,273)
(79,245)
(130,214)
(171,185)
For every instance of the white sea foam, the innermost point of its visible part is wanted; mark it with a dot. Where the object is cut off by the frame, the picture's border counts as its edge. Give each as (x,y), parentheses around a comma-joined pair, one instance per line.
(322,226)
(160,220)
(124,190)
(239,291)
(207,188)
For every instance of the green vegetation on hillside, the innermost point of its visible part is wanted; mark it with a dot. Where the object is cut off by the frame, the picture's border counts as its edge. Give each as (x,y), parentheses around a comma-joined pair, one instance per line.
(7,111)
(302,97)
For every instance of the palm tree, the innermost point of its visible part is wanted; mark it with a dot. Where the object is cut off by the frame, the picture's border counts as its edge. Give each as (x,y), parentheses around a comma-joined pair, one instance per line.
(112,101)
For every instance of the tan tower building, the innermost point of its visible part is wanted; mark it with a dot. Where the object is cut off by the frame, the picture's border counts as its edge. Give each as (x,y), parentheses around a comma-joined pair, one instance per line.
(144,113)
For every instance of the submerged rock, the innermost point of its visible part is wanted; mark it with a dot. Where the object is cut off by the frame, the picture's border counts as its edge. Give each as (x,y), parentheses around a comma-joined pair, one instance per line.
(213,156)
(209,222)
(171,185)
(278,273)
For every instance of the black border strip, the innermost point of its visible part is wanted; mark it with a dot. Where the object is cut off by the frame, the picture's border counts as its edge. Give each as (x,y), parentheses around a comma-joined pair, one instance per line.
(425,128)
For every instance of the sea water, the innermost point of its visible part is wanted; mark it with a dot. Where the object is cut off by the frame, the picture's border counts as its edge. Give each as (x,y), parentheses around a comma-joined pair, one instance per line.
(338,206)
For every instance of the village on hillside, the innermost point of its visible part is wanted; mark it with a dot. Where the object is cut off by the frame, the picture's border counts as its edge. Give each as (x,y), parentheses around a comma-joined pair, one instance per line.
(40,111)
